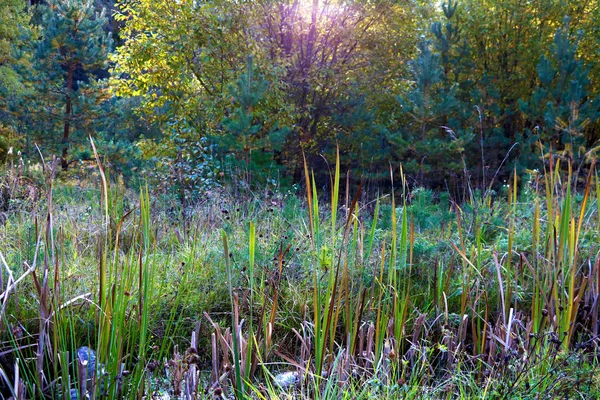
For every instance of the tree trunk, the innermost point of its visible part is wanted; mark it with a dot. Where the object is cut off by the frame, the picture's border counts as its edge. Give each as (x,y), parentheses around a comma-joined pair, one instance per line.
(67,123)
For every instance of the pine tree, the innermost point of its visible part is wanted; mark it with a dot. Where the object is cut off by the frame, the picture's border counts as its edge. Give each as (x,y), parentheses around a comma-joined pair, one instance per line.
(248,133)
(73,47)
(560,107)
(448,37)
(431,145)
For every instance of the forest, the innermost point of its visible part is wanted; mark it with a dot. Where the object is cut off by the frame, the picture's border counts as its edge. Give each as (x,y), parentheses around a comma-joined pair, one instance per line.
(320,199)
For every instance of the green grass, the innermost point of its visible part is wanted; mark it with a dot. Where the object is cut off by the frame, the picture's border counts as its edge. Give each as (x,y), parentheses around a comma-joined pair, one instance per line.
(408,295)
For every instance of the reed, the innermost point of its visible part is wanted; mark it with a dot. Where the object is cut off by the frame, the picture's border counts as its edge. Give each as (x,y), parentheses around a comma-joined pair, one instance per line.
(393,297)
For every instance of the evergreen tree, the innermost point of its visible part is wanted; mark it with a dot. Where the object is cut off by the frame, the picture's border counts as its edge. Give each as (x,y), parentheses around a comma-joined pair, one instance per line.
(560,106)
(432,143)
(248,131)
(361,137)
(72,49)
(446,35)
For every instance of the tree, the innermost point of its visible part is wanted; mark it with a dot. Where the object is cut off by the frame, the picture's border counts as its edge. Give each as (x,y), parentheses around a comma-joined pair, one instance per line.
(433,143)
(249,130)
(329,72)
(180,57)
(505,40)
(179,61)
(72,48)
(14,35)
(14,28)
(560,106)
(183,57)
(325,49)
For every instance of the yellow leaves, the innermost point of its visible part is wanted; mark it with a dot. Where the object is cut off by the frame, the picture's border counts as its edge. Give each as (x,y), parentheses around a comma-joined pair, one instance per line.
(164,59)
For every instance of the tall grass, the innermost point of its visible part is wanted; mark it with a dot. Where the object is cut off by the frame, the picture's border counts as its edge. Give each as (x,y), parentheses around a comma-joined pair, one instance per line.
(396,296)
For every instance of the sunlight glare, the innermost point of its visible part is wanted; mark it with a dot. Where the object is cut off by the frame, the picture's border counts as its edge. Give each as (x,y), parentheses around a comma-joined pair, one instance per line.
(305,8)
(324,8)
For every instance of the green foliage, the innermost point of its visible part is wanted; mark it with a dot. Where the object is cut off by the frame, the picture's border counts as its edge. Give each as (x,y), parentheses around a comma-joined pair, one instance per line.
(300,79)
(5,145)
(119,135)
(249,133)
(561,104)
(360,133)
(180,163)
(66,94)
(14,29)
(433,147)
(15,37)
(184,61)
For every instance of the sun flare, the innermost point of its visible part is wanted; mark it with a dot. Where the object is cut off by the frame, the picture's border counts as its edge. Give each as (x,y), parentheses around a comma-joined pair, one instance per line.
(318,8)
(305,8)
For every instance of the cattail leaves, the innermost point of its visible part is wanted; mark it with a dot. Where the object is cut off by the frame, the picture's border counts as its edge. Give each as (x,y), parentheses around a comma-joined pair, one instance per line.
(348,299)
